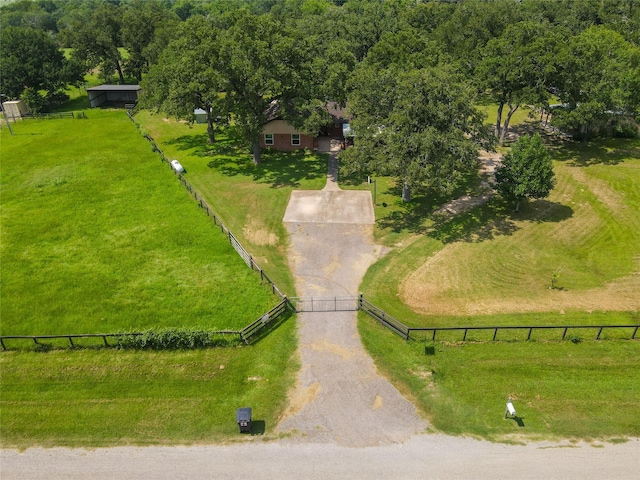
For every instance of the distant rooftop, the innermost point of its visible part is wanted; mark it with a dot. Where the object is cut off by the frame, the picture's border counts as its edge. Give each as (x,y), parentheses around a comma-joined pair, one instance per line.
(113,88)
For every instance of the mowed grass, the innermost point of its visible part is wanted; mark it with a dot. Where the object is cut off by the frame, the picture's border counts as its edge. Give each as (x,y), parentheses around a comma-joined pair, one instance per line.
(99,236)
(587,390)
(491,262)
(99,398)
(250,199)
(491,267)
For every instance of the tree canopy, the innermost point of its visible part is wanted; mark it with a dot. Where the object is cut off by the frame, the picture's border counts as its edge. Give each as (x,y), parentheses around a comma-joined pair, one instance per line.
(31,62)
(419,126)
(526,171)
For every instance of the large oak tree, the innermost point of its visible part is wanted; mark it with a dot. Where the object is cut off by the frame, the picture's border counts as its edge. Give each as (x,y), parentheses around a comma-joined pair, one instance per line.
(419,126)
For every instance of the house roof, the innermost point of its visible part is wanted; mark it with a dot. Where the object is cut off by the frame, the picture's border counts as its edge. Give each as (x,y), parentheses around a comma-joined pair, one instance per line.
(114,88)
(273,112)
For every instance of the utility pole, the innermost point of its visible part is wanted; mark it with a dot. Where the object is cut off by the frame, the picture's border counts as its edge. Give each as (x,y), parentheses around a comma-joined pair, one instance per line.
(5,116)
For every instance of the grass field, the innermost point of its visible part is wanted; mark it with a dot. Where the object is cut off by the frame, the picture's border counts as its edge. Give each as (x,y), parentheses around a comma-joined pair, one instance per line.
(250,199)
(490,267)
(583,390)
(99,236)
(491,262)
(91,398)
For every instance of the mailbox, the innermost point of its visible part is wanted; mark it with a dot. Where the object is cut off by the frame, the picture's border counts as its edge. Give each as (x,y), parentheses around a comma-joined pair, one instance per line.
(243,419)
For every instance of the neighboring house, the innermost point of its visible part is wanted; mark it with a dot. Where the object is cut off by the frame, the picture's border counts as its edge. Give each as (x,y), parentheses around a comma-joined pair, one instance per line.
(280,135)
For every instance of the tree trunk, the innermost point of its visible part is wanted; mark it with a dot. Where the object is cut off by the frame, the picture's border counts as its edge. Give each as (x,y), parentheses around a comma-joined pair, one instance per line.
(119,69)
(406,192)
(499,120)
(257,154)
(210,130)
(505,127)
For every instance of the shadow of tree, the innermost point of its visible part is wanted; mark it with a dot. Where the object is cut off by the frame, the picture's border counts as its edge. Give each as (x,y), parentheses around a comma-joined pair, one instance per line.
(280,169)
(597,152)
(482,223)
(231,156)
(486,222)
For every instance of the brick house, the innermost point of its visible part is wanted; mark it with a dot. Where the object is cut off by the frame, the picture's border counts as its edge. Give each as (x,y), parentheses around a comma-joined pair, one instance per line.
(280,135)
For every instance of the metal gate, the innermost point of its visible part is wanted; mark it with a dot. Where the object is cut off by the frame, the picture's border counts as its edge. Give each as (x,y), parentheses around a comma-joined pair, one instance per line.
(324,304)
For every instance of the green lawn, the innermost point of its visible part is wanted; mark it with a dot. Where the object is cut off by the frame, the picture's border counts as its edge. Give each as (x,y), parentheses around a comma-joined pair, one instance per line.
(99,236)
(582,390)
(490,267)
(250,199)
(94,398)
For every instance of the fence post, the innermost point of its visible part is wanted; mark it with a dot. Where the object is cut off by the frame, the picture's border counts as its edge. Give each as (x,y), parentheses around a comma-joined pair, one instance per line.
(464,337)
(495,333)
(2,342)
(71,343)
(104,337)
(565,332)
(599,332)
(530,330)
(635,330)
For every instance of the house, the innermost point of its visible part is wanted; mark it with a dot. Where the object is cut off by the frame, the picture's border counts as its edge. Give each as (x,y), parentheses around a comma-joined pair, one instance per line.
(113,95)
(280,135)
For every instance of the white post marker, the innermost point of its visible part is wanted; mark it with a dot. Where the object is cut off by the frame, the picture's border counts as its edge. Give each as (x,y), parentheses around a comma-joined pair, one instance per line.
(510,411)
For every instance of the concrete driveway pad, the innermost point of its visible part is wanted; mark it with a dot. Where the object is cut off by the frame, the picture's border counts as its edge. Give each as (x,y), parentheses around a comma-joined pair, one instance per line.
(330,206)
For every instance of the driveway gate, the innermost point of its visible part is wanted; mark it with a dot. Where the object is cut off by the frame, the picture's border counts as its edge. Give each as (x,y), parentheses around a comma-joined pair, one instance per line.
(324,304)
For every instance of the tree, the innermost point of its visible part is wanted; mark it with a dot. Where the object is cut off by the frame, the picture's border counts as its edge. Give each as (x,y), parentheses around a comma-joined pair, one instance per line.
(94,33)
(601,81)
(520,67)
(526,171)
(144,23)
(187,76)
(31,62)
(263,62)
(419,126)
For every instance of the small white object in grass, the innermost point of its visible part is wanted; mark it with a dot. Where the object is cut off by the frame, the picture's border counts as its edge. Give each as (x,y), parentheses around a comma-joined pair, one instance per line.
(175,164)
(510,409)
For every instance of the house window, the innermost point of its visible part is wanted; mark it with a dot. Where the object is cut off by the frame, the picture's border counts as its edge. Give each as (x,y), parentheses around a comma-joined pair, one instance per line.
(295,139)
(268,138)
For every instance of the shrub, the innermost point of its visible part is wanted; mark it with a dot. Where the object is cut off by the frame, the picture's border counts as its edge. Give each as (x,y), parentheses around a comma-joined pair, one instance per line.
(175,339)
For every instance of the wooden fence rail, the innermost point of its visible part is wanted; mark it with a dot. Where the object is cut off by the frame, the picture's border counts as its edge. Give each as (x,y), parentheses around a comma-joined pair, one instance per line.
(528,328)
(268,318)
(104,337)
(383,318)
(244,335)
(399,328)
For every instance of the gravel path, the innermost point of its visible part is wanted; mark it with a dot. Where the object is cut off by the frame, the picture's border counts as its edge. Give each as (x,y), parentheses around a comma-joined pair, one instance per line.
(344,421)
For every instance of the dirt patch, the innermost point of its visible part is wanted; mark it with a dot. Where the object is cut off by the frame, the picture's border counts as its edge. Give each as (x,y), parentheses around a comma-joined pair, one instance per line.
(428,299)
(325,346)
(301,399)
(488,163)
(258,234)
(377,403)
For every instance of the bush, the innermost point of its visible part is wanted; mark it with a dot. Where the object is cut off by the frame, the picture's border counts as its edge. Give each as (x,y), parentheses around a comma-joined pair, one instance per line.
(175,339)
(624,129)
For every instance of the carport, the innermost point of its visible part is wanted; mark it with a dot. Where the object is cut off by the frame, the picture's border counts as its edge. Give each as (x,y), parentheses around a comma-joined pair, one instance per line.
(113,95)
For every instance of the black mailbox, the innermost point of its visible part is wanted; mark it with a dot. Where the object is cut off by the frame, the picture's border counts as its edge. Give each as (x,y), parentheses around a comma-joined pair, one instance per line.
(243,417)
